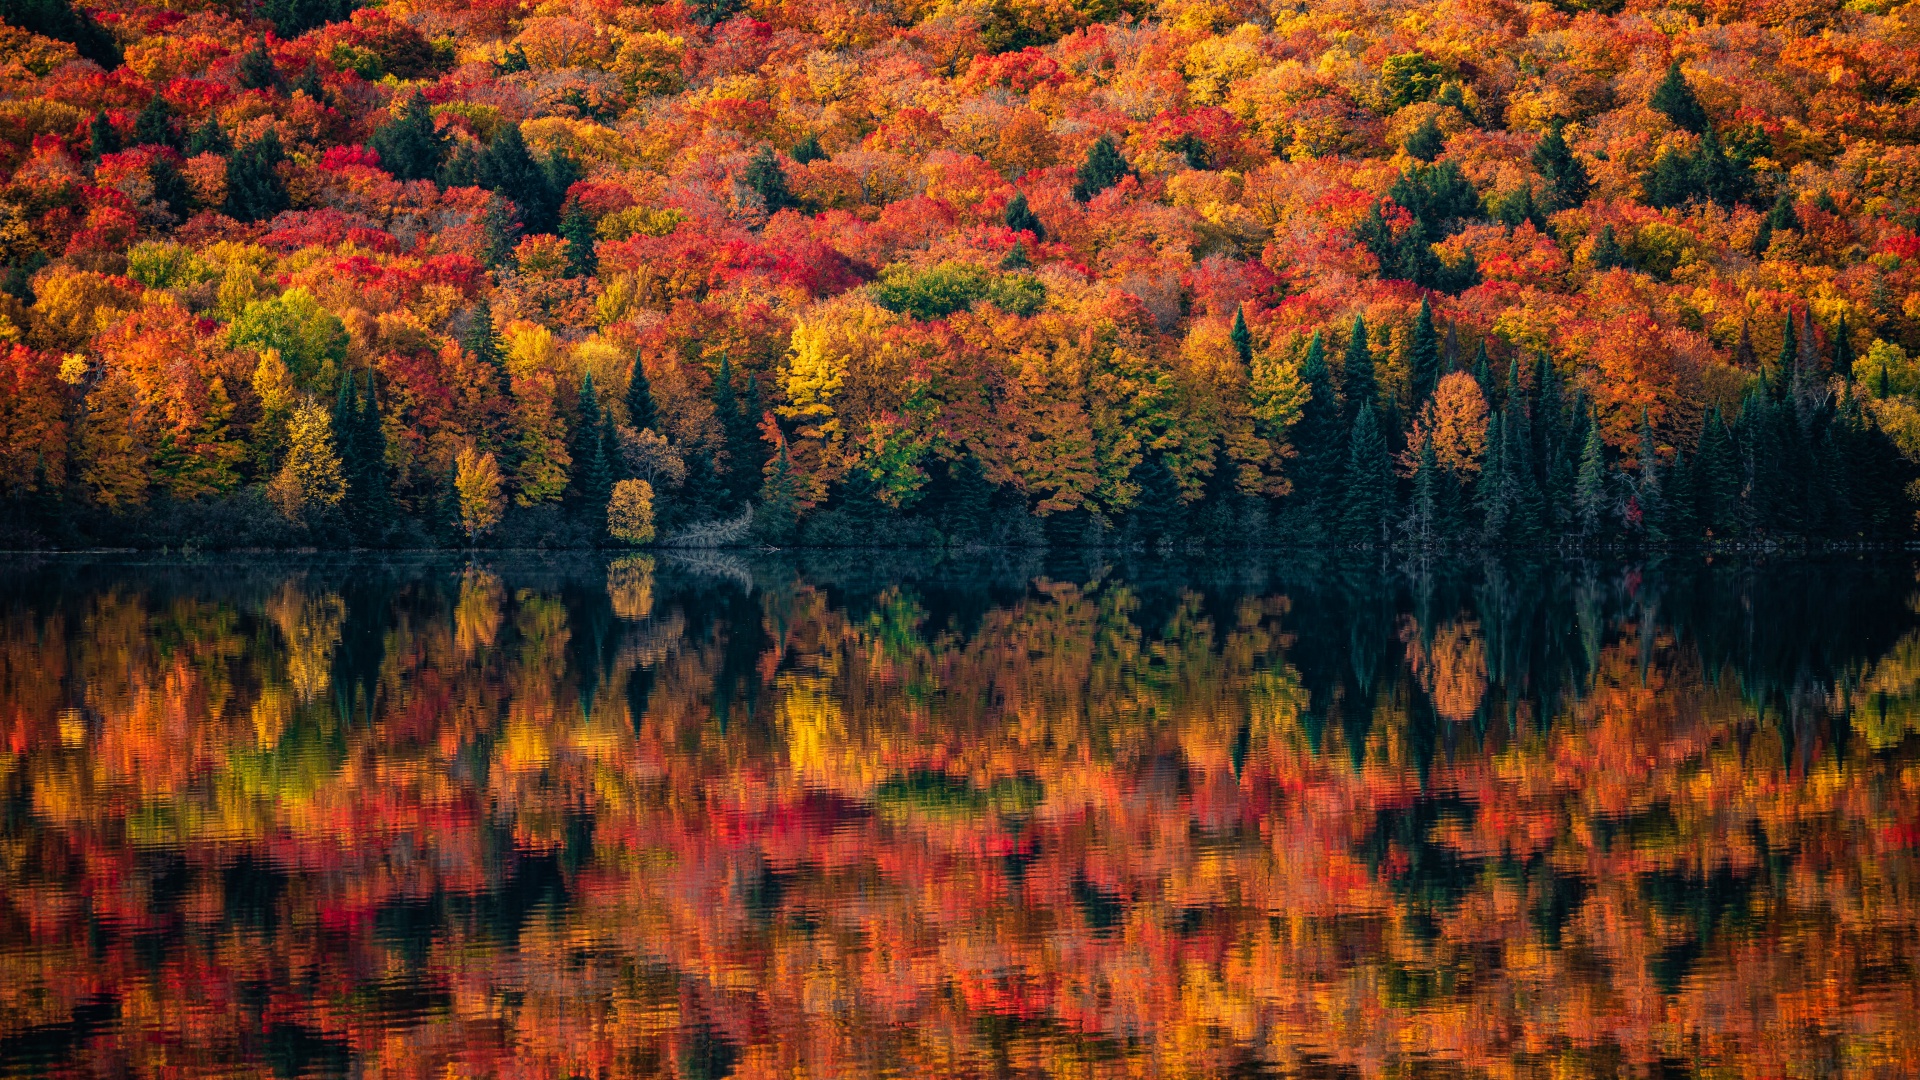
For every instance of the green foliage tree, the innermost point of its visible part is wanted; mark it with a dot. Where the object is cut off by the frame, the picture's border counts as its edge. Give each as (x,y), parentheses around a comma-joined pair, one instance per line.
(1674,97)
(1102,169)
(1426,142)
(255,191)
(409,145)
(1021,218)
(765,178)
(1565,176)
(576,228)
(1368,506)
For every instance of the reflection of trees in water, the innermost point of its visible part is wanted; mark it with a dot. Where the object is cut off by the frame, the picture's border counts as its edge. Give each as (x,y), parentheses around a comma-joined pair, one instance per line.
(981,818)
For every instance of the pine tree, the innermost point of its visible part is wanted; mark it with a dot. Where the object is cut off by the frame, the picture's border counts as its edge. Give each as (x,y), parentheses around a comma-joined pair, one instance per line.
(255,191)
(291,18)
(1843,350)
(209,138)
(807,150)
(1494,489)
(1566,179)
(170,187)
(1356,370)
(153,126)
(764,177)
(1525,509)
(1102,169)
(376,476)
(641,414)
(1590,488)
(103,137)
(1483,372)
(508,169)
(1016,257)
(1789,355)
(591,482)
(1320,435)
(1675,98)
(409,145)
(1717,479)
(1242,339)
(482,341)
(312,85)
(1426,142)
(726,410)
(1423,355)
(257,70)
(1606,254)
(576,228)
(779,500)
(1021,218)
(1368,506)
(1423,512)
(1680,517)
(496,249)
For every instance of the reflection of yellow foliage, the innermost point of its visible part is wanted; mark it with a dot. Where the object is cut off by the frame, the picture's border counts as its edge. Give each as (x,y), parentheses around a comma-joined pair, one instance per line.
(630,587)
(1891,709)
(478,615)
(310,626)
(271,714)
(1453,669)
(810,715)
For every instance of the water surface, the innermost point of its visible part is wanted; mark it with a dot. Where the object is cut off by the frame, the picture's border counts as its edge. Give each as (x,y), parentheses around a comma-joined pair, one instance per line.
(859,817)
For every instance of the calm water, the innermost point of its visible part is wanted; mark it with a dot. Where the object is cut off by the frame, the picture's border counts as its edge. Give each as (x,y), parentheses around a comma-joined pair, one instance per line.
(850,818)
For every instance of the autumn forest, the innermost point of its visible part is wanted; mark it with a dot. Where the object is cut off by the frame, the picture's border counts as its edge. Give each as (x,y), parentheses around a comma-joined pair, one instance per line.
(1420,275)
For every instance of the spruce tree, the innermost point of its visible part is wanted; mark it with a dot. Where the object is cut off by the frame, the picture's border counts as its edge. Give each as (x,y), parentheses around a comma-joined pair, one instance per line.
(1242,339)
(1423,355)
(409,145)
(257,70)
(373,478)
(103,137)
(765,178)
(1102,169)
(291,18)
(496,248)
(1647,485)
(641,414)
(1426,142)
(1356,370)
(591,482)
(1717,479)
(1525,509)
(1843,350)
(1021,218)
(1319,436)
(726,410)
(1494,489)
(169,186)
(1368,506)
(1566,179)
(482,342)
(576,228)
(779,501)
(255,191)
(1590,488)
(153,126)
(1423,512)
(807,150)
(209,138)
(1606,254)
(508,169)
(1483,372)
(1675,98)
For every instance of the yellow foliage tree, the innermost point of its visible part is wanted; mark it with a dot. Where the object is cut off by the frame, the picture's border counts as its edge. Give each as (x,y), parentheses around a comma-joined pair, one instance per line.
(630,512)
(478,482)
(311,479)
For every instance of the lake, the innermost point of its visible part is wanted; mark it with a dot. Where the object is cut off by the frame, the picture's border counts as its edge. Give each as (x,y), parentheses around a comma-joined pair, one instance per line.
(851,815)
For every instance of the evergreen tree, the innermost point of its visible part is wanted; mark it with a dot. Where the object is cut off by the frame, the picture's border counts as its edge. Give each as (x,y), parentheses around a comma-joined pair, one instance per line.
(1368,507)
(1021,218)
(1646,489)
(209,138)
(1843,350)
(409,145)
(1242,339)
(1016,257)
(1102,169)
(807,150)
(779,501)
(153,126)
(482,342)
(104,137)
(1426,142)
(312,85)
(1606,254)
(734,427)
(461,168)
(170,187)
(1675,98)
(1483,371)
(1318,435)
(576,228)
(641,414)
(508,169)
(291,18)
(1565,177)
(591,481)
(1590,487)
(1789,356)
(1526,512)
(1423,512)
(496,249)
(1423,355)
(255,191)
(60,20)
(1679,517)
(347,446)
(1717,479)
(766,179)
(1356,370)
(1493,491)
(257,70)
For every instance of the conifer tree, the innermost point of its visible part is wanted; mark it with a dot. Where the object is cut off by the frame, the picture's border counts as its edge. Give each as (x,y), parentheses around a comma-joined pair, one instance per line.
(153,125)
(1368,507)
(1426,142)
(257,70)
(1717,479)
(1843,350)
(209,138)
(1674,97)
(1494,488)
(1590,488)
(1319,437)
(1423,511)
(376,476)
(1356,370)
(1789,355)
(1021,218)
(1606,254)
(1566,179)
(576,228)
(1102,169)
(779,500)
(508,169)
(255,191)
(1423,355)
(591,481)
(409,145)
(641,414)
(807,150)
(482,341)
(1242,339)
(764,176)
(1646,488)
(103,137)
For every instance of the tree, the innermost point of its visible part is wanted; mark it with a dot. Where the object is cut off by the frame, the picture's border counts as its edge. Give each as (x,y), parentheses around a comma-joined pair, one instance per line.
(482,342)
(1422,524)
(1606,253)
(1566,178)
(410,146)
(641,413)
(1590,487)
(153,124)
(1843,350)
(209,138)
(807,150)
(1102,169)
(59,20)
(255,191)
(257,70)
(779,499)
(1717,479)
(1368,506)
(1426,142)
(311,480)
(1356,370)
(591,480)
(764,177)
(1318,435)
(481,492)
(576,228)
(1423,355)
(103,137)
(508,169)
(1021,218)
(1241,338)
(630,512)
(1675,98)
(291,18)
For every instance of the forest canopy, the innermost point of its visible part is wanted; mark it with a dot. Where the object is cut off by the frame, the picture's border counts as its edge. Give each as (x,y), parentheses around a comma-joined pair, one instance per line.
(1353,272)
